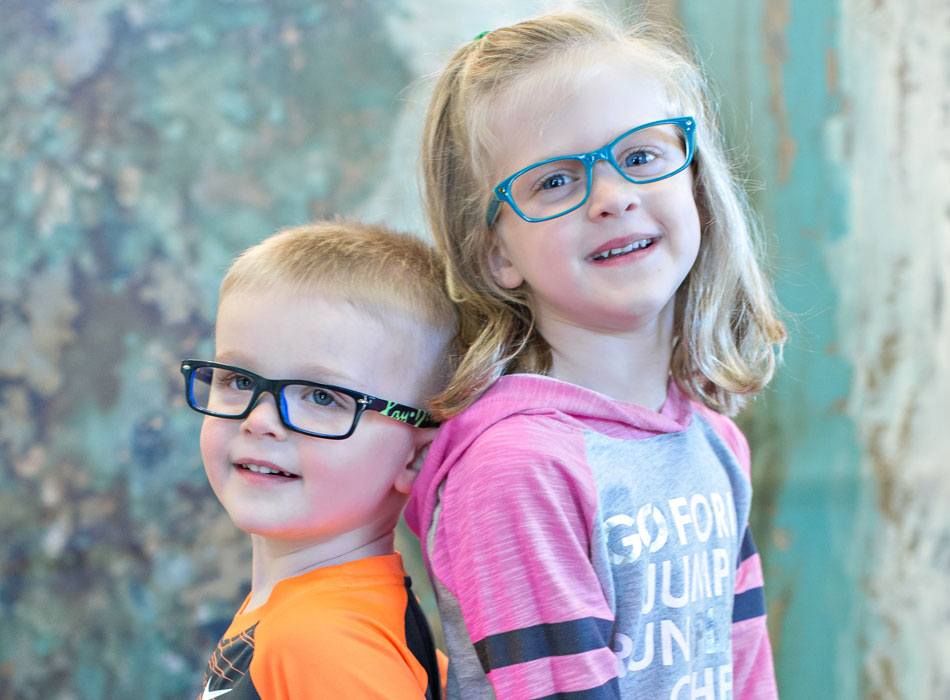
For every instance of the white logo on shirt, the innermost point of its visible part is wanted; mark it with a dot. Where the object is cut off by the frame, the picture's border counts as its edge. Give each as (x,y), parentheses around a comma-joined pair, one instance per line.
(209,694)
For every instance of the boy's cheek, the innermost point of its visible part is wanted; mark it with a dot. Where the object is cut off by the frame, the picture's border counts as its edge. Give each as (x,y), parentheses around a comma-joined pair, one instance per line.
(212,442)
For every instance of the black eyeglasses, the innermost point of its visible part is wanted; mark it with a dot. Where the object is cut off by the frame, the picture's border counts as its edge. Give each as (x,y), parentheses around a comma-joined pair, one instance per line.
(311,408)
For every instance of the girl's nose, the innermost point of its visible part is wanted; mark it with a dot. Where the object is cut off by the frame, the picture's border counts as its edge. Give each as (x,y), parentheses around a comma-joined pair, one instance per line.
(264,419)
(610,193)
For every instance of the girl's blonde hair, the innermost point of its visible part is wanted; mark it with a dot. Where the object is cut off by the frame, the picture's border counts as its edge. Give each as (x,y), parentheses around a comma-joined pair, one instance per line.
(725,326)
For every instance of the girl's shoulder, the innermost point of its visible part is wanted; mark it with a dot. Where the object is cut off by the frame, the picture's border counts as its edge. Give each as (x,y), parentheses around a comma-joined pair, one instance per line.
(520,402)
(729,432)
(528,440)
(520,464)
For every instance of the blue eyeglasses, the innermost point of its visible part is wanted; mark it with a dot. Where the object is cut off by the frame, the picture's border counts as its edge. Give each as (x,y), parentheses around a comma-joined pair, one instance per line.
(557,186)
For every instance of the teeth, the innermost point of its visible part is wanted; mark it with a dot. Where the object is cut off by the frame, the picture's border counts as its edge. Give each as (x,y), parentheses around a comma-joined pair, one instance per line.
(263,470)
(623,251)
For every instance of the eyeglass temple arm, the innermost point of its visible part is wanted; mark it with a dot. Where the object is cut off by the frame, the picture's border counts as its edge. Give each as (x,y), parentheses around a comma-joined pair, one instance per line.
(415,417)
(492,213)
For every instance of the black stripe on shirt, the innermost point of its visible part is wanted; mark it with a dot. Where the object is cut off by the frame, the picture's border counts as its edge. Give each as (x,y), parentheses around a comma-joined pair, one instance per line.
(747,548)
(608,691)
(541,641)
(749,604)
(420,643)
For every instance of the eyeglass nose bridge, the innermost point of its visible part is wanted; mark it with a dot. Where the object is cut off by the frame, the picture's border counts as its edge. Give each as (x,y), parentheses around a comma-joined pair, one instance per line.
(591,159)
(273,387)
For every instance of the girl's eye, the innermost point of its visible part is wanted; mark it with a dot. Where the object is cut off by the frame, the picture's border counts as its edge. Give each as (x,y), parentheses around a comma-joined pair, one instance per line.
(553,181)
(637,158)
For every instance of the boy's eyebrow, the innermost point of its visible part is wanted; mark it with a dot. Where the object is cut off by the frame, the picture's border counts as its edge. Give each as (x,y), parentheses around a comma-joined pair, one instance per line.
(323,374)
(311,372)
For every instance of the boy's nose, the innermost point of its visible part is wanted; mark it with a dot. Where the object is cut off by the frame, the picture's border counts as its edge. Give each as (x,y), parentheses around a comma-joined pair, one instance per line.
(264,418)
(611,193)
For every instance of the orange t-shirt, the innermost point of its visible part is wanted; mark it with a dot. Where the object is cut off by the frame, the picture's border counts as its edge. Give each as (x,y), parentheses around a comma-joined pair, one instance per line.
(349,631)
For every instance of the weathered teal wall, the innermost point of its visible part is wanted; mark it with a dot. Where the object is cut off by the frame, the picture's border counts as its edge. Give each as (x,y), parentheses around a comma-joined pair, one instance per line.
(844,111)
(806,455)
(143,144)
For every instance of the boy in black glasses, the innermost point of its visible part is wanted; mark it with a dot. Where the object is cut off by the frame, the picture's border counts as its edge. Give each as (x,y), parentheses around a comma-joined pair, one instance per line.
(329,340)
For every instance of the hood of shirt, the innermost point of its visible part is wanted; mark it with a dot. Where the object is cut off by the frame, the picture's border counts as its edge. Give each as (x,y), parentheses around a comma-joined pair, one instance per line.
(531,394)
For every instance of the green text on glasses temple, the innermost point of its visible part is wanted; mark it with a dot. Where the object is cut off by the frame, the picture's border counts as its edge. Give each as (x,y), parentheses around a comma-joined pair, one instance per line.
(557,186)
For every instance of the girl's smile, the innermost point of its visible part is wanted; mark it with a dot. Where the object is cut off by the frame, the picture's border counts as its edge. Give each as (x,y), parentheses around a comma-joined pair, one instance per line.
(620,250)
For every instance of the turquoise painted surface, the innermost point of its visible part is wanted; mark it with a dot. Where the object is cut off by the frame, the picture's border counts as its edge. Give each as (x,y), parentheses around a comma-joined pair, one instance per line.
(806,458)
(838,106)
(142,146)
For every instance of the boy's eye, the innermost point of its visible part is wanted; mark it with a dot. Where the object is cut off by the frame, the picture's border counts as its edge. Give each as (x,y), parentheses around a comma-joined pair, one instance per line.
(233,380)
(321,397)
(242,382)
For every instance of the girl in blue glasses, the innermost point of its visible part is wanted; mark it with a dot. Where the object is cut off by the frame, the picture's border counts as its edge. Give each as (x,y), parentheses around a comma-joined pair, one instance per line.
(584,511)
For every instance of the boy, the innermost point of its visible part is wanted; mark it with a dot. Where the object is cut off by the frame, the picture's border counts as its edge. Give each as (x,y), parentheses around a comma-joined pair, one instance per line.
(316,467)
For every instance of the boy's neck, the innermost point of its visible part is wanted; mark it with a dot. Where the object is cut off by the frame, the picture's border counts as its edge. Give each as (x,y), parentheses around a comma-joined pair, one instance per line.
(273,561)
(632,366)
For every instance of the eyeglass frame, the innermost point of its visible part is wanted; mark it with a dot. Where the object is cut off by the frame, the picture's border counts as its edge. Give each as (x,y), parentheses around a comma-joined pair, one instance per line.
(502,191)
(415,417)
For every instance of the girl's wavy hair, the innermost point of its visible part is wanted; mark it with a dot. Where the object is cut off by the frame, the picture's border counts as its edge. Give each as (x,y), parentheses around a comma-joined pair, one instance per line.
(726,326)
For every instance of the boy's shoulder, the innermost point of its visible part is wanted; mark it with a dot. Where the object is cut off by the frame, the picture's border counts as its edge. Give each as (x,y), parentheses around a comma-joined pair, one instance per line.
(349,594)
(340,627)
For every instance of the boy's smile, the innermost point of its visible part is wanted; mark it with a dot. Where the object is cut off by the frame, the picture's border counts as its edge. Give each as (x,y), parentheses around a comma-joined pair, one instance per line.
(264,468)
(281,484)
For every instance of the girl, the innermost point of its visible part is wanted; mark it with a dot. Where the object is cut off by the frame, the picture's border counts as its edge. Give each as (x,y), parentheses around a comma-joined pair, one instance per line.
(583,514)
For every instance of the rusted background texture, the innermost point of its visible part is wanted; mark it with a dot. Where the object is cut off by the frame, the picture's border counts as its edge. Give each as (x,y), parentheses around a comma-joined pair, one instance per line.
(143,144)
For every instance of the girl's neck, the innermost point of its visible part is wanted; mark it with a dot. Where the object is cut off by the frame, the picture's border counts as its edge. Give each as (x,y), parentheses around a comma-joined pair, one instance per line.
(272,560)
(631,366)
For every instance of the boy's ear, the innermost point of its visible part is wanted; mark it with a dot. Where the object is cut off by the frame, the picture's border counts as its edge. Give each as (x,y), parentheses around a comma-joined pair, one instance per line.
(407,477)
(502,269)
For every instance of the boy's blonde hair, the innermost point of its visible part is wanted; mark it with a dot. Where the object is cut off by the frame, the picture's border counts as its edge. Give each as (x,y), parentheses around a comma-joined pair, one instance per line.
(725,322)
(395,277)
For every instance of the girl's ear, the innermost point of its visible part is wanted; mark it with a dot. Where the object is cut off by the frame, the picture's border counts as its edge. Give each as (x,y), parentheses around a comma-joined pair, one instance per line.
(502,269)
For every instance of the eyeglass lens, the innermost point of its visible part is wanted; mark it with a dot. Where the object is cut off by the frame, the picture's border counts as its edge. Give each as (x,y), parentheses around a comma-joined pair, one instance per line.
(313,409)
(550,189)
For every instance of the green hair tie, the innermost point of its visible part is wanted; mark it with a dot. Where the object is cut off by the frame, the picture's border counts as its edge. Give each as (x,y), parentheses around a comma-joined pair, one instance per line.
(479,36)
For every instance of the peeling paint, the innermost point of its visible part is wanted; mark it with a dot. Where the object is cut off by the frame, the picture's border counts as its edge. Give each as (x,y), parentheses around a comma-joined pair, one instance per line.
(894,330)
(847,448)
(775,22)
(143,146)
